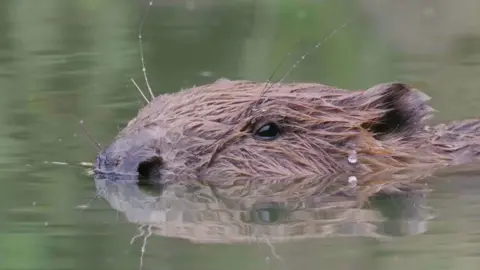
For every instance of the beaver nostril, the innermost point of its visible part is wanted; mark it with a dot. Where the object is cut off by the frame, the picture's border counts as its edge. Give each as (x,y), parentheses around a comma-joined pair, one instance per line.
(150,168)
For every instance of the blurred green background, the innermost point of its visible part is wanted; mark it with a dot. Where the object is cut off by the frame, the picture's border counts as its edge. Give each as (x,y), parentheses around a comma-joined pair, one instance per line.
(66,60)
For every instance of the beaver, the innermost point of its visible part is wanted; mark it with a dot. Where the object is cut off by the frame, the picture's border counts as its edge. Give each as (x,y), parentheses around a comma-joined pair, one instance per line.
(233,130)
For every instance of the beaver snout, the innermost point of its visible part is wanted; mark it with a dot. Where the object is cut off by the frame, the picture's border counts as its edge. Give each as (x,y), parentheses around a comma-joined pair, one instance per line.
(130,157)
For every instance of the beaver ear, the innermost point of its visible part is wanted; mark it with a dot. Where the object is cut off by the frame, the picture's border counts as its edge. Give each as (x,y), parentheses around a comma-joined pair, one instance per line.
(402,109)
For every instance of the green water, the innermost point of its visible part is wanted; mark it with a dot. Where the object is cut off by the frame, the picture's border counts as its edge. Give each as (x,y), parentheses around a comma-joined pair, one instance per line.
(62,61)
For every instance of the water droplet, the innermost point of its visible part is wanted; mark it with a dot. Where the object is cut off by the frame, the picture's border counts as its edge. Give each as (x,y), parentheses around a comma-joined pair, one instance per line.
(82,206)
(206,73)
(352,180)
(352,157)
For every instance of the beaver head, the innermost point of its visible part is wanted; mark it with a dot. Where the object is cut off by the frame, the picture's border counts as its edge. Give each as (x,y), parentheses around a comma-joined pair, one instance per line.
(241,129)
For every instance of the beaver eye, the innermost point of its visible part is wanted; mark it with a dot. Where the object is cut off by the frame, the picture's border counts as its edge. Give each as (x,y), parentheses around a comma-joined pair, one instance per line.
(269,131)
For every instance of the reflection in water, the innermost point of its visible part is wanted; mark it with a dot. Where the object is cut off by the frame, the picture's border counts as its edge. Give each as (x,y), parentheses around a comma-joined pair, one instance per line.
(303,208)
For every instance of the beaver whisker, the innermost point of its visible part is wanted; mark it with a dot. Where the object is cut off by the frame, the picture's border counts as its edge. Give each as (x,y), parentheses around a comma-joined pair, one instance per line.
(140,90)
(268,86)
(317,45)
(280,64)
(140,44)
(89,135)
(311,50)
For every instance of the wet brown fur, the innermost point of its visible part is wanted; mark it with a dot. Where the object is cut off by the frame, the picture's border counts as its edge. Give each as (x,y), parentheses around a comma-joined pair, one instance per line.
(206,133)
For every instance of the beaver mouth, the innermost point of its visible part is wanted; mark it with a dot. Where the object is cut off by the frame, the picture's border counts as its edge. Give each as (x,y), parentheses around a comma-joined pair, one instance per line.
(148,168)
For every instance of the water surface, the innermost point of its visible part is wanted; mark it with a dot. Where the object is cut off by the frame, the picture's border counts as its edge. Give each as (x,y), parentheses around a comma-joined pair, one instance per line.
(62,61)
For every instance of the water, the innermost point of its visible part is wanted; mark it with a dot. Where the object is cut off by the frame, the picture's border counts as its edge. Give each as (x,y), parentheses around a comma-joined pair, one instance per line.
(63,61)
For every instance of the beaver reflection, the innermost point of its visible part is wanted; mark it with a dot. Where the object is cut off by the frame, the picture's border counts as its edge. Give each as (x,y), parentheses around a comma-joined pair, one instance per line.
(266,213)
(258,211)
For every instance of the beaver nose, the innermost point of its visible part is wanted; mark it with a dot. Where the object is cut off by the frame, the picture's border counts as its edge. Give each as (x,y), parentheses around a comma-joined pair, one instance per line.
(126,157)
(150,168)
